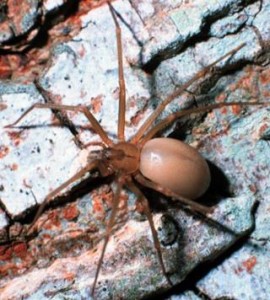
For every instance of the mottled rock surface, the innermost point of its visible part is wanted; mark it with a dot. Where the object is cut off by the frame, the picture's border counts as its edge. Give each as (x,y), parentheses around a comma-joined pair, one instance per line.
(165,43)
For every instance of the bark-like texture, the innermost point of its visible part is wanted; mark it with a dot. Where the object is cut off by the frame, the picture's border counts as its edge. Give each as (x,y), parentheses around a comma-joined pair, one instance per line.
(171,40)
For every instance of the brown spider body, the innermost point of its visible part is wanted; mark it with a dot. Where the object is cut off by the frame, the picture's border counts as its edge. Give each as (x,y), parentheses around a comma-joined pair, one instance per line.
(168,162)
(165,165)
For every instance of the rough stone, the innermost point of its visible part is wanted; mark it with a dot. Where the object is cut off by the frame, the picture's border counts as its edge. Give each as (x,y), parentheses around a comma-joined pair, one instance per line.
(59,260)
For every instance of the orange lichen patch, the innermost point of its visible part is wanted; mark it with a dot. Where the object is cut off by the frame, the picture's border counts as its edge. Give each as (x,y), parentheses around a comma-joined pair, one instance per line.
(236,109)
(253,188)
(5,68)
(13,268)
(69,276)
(16,137)
(101,200)
(123,200)
(20,250)
(13,167)
(86,5)
(70,212)
(17,12)
(247,82)
(136,119)
(4,150)
(266,93)
(249,264)
(5,252)
(97,204)
(46,236)
(220,98)
(132,102)
(265,77)
(96,104)
(52,220)
(224,110)
(262,129)
(225,130)
(81,51)
(71,233)
(3,106)
(8,268)
(27,66)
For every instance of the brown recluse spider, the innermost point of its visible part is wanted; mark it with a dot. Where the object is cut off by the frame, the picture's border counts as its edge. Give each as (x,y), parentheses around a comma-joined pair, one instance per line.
(168,166)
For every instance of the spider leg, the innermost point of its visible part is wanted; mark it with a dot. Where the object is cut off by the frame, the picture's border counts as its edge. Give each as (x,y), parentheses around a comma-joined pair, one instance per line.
(79,108)
(146,209)
(92,165)
(62,116)
(121,79)
(94,143)
(190,204)
(148,123)
(109,227)
(172,117)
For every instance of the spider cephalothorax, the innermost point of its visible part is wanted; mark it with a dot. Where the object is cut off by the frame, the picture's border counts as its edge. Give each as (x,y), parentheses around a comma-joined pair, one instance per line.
(123,157)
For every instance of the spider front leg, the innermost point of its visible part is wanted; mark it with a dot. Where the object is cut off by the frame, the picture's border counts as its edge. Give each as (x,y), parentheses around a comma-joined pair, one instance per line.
(160,108)
(174,116)
(109,227)
(121,79)
(82,109)
(190,204)
(91,166)
(193,206)
(25,235)
(62,116)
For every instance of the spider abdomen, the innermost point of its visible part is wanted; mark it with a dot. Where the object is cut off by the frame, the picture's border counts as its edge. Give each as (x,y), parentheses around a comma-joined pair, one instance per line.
(175,165)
